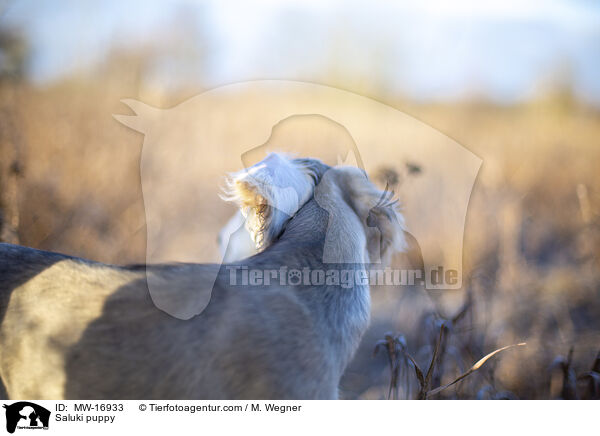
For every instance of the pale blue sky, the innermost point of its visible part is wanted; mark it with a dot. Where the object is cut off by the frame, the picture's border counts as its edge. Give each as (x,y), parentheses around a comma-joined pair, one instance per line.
(428,50)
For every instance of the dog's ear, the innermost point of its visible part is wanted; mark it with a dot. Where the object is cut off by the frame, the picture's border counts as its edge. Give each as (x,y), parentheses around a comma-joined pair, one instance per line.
(269,193)
(378,213)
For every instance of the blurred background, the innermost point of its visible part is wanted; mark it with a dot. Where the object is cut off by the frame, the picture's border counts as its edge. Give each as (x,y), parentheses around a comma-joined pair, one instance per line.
(517,84)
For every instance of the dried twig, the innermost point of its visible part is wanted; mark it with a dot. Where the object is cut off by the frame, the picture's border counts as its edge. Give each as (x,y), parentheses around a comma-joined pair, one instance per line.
(425,381)
(395,347)
(474,368)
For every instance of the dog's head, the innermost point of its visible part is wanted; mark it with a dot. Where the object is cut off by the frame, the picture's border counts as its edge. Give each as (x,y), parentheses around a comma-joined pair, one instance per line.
(360,214)
(365,223)
(270,192)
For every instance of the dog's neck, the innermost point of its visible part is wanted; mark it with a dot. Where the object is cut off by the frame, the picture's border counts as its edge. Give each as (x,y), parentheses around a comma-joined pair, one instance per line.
(340,311)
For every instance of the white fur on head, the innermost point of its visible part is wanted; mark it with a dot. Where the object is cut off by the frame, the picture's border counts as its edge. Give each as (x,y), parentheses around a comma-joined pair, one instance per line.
(269,193)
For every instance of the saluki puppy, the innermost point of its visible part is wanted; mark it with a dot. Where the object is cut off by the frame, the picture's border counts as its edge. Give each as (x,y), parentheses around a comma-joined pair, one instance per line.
(76,329)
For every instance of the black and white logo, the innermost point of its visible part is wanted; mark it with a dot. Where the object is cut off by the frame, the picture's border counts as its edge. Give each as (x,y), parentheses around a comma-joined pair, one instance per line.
(26,415)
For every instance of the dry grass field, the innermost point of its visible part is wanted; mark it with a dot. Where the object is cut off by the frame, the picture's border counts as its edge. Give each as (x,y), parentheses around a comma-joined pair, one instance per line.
(71,183)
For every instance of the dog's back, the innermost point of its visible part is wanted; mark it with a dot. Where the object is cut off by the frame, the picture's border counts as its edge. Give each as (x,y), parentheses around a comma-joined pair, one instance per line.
(71,328)
(46,300)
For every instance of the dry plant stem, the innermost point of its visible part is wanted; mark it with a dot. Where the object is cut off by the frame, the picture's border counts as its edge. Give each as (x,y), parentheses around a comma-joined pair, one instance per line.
(390,342)
(434,358)
(474,368)
(424,381)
